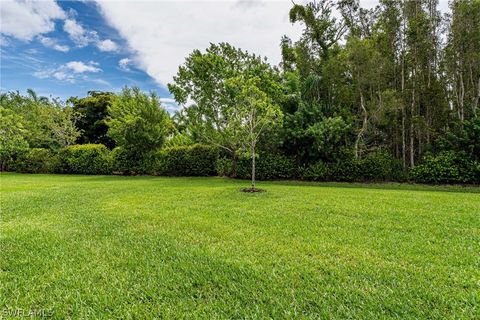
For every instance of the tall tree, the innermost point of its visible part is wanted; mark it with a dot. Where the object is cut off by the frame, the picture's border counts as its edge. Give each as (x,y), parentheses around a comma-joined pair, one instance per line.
(93,113)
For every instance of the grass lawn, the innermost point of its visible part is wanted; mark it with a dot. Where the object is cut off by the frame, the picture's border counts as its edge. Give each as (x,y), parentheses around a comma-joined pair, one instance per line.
(150,247)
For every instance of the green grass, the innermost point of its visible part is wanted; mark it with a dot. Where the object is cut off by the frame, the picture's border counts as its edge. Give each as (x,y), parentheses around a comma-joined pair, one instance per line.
(149,247)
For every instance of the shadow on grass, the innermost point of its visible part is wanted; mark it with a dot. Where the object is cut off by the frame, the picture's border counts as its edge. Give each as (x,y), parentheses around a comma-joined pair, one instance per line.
(382,185)
(291,183)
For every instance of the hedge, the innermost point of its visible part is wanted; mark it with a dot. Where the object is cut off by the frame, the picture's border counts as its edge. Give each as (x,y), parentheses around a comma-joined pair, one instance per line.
(268,167)
(446,167)
(376,166)
(36,160)
(194,160)
(84,159)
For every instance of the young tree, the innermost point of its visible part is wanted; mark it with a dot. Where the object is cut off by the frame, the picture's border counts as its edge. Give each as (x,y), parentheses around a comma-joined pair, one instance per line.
(254,113)
(202,83)
(136,122)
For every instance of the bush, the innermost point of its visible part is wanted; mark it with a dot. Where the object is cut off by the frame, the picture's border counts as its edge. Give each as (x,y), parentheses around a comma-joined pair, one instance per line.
(380,166)
(268,167)
(84,159)
(36,160)
(318,171)
(377,166)
(129,162)
(446,167)
(194,160)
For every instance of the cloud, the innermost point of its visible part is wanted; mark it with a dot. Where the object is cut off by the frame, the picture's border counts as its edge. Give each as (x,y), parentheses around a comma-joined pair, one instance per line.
(68,71)
(107,45)
(164,33)
(81,67)
(124,63)
(26,19)
(52,43)
(78,34)
(83,37)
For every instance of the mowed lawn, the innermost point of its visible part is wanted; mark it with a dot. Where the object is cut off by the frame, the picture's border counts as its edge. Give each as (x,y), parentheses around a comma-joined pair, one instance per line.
(153,247)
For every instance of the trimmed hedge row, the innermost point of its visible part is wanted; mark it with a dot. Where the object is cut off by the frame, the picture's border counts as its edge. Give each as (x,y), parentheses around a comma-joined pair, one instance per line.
(201,160)
(84,159)
(378,166)
(446,167)
(194,160)
(268,167)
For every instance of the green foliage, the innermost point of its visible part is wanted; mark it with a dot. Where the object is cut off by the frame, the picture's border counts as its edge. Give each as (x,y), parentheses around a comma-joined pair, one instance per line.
(84,159)
(326,137)
(463,138)
(206,79)
(36,160)
(268,167)
(12,136)
(137,123)
(380,166)
(194,160)
(446,167)
(47,123)
(376,166)
(125,162)
(93,112)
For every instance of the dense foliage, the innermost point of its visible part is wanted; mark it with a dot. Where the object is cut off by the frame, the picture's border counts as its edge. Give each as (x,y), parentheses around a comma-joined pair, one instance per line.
(381,94)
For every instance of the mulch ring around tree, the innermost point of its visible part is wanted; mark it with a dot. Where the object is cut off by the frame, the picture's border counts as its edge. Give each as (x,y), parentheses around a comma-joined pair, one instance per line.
(252,190)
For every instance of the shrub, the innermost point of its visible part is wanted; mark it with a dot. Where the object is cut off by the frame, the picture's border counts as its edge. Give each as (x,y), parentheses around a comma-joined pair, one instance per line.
(318,171)
(380,166)
(268,167)
(36,160)
(129,162)
(446,167)
(84,159)
(194,160)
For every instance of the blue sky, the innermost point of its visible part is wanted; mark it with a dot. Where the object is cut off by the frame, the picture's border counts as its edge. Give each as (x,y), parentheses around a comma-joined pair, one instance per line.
(62,65)
(66,48)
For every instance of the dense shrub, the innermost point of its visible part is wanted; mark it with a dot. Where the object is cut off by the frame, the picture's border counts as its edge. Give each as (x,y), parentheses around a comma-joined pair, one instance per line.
(318,171)
(268,167)
(194,160)
(84,159)
(446,167)
(378,166)
(36,160)
(129,162)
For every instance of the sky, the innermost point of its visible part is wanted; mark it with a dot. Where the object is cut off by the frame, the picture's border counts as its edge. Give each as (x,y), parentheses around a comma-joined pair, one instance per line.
(66,48)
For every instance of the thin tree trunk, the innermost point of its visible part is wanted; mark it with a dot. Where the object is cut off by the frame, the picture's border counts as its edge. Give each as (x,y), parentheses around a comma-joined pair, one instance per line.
(462,96)
(253,167)
(477,98)
(364,125)
(412,142)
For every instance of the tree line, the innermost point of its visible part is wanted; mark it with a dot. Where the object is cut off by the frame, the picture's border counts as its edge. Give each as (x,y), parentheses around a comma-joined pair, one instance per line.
(388,93)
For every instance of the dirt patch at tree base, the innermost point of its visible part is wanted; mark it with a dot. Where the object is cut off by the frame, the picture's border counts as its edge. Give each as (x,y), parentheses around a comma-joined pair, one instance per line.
(252,190)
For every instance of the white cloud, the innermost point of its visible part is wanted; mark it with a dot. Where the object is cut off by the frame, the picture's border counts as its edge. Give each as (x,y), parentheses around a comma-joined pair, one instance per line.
(107,45)
(162,34)
(124,64)
(68,71)
(83,37)
(26,19)
(52,43)
(78,34)
(81,67)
